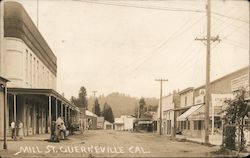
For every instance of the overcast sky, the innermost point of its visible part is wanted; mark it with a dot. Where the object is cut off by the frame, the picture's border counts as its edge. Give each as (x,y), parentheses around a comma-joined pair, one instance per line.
(112,48)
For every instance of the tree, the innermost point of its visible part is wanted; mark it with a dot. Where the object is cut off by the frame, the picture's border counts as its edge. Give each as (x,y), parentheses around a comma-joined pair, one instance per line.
(83,103)
(107,113)
(236,111)
(74,100)
(142,104)
(96,108)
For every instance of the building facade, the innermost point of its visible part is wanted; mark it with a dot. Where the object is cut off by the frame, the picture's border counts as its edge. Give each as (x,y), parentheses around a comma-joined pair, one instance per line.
(107,125)
(124,122)
(169,103)
(186,101)
(220,89)
(27,61)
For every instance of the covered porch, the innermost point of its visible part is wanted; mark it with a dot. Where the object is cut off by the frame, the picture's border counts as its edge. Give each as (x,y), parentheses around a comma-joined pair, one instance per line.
(37,108)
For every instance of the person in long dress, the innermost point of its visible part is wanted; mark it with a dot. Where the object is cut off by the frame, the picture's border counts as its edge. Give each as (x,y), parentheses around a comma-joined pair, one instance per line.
(20,130)
(13,130)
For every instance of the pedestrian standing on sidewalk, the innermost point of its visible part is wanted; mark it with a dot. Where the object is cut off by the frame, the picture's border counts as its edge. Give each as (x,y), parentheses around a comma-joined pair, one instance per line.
(13,130)
(17,129)
(20,130)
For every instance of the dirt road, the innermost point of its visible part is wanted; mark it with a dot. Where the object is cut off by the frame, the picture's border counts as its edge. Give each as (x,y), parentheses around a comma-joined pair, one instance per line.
(100,143)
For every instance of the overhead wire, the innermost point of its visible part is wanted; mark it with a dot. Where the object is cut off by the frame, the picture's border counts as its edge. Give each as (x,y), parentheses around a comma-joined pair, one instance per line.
(174,35)
(168,9)
(163,9)
(185,65)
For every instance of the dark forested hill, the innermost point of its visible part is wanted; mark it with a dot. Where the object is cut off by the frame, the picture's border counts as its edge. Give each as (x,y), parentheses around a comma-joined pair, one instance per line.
(121,103)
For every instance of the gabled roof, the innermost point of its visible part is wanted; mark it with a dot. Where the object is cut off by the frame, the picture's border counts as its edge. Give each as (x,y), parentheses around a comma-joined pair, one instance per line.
(186,90)
(107,122)
(89,113)
(3,79)
(119,121)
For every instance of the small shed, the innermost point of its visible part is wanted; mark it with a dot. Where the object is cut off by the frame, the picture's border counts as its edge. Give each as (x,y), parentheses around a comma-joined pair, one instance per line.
(108,125)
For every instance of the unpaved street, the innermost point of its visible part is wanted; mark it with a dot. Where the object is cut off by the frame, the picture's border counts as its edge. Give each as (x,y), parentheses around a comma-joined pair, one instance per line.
(100,143)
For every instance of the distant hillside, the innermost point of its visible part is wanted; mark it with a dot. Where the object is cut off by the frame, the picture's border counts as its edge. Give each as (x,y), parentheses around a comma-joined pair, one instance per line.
(121,103)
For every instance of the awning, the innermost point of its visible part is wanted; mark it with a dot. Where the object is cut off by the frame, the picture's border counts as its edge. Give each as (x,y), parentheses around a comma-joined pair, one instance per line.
(184,116)
(145,122)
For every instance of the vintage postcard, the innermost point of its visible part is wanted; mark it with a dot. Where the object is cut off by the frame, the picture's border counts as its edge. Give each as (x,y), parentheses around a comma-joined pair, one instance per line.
(124,78)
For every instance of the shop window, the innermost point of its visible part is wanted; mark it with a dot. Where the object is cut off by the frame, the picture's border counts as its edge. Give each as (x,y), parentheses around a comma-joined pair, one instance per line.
(183,125)
(199,125)
(202,125)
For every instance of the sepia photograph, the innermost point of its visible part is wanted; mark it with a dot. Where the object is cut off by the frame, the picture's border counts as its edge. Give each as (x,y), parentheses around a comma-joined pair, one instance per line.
(124,78)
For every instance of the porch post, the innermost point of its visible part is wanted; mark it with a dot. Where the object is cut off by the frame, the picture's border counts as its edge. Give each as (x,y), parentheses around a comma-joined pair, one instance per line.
(49,119)
(14,99)
(56,109)
(61,109)
(69,114)
(42,120)
(65,113)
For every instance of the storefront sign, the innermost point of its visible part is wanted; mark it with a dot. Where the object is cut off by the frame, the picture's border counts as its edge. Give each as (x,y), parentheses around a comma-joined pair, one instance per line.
(202,92)
(199,100)
(218,99)
(240,82)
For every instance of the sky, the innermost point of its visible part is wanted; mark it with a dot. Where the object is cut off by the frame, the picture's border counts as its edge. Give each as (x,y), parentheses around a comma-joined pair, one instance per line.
(126,46)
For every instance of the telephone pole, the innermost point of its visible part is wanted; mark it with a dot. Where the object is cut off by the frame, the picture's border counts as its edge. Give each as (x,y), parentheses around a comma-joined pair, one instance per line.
(208,40)
(161,81)
(37,13)
(1,36)
(94,92)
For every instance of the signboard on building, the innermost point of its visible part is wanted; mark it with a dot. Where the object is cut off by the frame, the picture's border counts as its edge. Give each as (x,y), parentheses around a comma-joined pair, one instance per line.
(199,100)
(240,82)
(218,99)
(202,92)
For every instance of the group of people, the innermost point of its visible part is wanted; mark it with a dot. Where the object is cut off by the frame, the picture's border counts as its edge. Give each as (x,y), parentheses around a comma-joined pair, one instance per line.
(17,130)
(58,130)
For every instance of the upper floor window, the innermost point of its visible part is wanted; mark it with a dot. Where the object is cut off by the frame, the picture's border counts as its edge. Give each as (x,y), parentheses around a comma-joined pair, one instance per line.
(185,100)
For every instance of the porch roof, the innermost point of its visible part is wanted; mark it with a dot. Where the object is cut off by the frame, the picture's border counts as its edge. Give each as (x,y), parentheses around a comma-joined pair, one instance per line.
(3,79)
(38,91)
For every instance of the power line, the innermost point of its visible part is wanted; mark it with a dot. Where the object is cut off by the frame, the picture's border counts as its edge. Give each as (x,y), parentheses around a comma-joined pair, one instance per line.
(153,52)
(239,29)
(234,18)
(143,7)
(161,9)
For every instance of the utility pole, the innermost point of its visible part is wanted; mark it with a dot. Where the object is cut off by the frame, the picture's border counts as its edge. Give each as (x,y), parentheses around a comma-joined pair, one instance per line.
(37,13)
(249,73)
(208,40)
(94,92)
(1,36)
(161,81)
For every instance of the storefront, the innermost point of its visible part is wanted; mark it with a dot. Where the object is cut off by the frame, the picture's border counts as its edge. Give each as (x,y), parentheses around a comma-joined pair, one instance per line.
(37,108)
